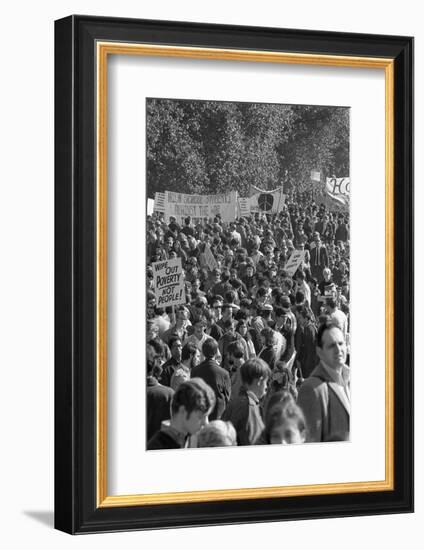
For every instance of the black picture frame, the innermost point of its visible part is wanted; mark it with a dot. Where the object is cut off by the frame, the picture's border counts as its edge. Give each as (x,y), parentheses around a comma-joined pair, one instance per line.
(76,504)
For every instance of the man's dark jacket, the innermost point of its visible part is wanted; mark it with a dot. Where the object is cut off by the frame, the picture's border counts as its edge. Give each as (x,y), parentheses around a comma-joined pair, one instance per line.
(219,380)
(158,405)
(162,440)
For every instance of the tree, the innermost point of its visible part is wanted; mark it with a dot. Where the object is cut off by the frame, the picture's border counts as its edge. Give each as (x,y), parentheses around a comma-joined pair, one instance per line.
(210,146)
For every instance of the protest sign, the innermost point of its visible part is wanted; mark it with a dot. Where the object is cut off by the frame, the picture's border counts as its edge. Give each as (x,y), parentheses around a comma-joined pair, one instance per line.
(159,204)
(150,206)
(338,189)
(294,262)
(207,259)
(199,207)
(270,202)
(315,175)
(168,283)
(244,206)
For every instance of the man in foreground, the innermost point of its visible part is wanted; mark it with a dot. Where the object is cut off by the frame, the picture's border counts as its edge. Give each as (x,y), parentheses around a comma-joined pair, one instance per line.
(244,410)
(324,397)
(215,377)
(190,407)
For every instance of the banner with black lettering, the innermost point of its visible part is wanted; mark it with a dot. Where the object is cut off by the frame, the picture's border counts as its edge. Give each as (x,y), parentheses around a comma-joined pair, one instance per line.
(168,283)
(339,190)
(199,207)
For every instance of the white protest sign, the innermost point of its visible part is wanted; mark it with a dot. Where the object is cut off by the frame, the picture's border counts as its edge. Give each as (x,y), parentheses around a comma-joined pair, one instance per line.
(209,258)
(150,206)
(315,175)
(294,262)
(181,205)
(244,206)
(159,203)
(168,283)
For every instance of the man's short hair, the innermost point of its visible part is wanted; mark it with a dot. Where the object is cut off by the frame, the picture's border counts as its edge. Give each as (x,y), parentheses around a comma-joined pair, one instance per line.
(173,339)
(331,302)
(245,302)
(150,359)
(210,348)
(327,325)
(235,349)
(300,297)
(230,297)
(269,335)
(229,323)
(254,369)
(300,275)
(193,395)
(225,276)
(159,346)
(188,351)
(201,319)
(217,434)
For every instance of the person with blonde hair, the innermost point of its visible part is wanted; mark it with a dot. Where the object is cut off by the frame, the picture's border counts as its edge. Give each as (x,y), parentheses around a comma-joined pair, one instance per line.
(217,434)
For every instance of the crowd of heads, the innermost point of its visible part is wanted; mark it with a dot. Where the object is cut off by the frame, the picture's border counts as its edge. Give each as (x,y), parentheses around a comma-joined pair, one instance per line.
(260,323)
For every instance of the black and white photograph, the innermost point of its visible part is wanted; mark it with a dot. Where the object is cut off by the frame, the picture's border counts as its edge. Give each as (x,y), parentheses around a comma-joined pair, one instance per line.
(248,274)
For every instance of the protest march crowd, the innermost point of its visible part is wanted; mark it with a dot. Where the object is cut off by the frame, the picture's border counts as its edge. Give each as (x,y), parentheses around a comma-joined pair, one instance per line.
(257,349)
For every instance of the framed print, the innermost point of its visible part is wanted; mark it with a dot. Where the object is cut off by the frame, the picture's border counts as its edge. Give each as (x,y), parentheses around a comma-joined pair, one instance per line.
(233,266)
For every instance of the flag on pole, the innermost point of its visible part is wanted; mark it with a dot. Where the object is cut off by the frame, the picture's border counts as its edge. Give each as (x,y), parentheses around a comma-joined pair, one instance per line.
(268,202)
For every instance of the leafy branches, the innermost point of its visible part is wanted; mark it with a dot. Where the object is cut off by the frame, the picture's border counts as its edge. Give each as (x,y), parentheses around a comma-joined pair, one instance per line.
(210,146)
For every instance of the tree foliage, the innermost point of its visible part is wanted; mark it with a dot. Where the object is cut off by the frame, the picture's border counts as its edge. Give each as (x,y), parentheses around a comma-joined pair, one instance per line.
(210,146)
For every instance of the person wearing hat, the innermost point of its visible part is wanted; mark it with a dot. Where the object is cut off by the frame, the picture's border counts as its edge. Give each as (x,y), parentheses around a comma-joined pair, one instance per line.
(266,311)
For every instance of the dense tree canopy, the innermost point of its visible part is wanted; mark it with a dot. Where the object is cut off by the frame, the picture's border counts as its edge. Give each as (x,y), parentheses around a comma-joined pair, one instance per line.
(210,146)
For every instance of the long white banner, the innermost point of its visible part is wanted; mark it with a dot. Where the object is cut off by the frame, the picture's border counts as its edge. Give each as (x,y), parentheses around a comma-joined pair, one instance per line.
(181,205)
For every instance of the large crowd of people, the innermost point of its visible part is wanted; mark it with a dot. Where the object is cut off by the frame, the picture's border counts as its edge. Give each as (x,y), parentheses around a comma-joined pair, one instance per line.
(256,355)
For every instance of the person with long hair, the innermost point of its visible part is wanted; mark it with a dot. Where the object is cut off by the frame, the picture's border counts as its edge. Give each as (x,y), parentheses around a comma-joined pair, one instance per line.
(284,422)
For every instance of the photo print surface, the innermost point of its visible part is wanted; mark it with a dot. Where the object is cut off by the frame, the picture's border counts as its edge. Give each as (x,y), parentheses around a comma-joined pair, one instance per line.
(248,264)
